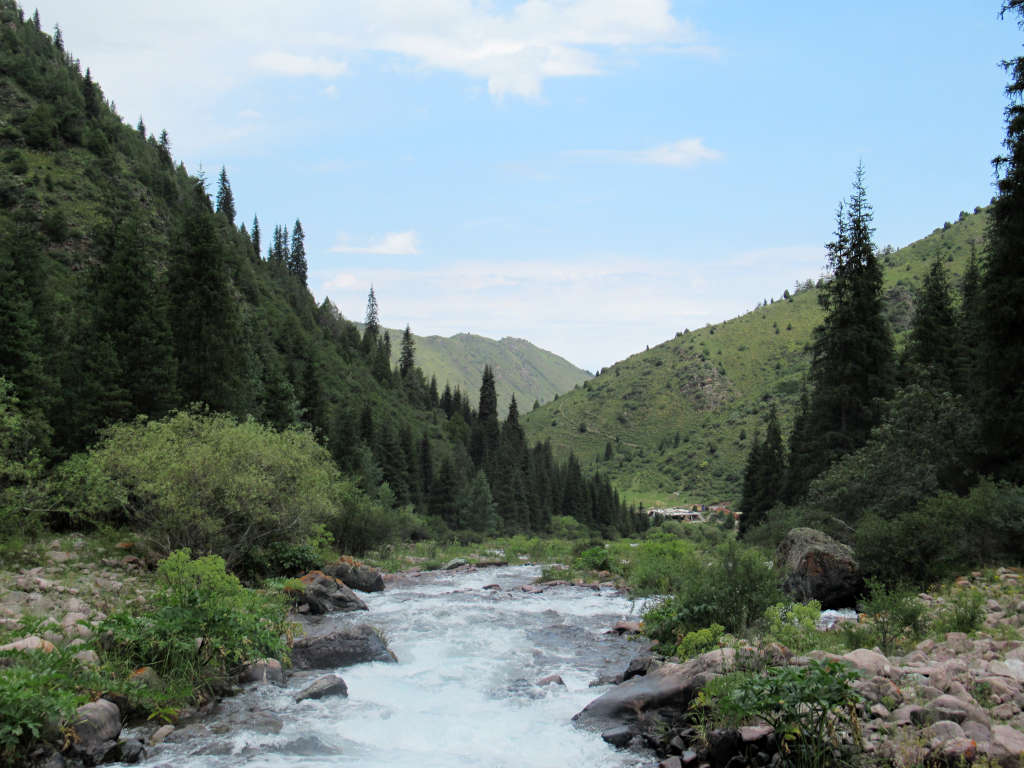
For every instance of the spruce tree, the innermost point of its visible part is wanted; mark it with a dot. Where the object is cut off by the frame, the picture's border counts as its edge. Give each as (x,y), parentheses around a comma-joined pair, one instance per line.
(297,255)
(932,350)
(225,200)
(852,365)
(255,236)
(407,360)
(1002,299)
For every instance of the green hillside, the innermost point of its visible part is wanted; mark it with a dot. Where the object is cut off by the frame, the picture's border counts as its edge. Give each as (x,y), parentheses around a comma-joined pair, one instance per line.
(530,373)
(679,418)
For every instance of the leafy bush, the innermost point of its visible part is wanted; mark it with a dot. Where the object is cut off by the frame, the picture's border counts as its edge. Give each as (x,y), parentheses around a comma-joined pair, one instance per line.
(807,706)
(200,626)
(21,472)
(593,559)
(894,613)
(795,625)
(37,695)
(209,483)
(698,642)
(733,590)
(966,612)
(944,534)
(360,523)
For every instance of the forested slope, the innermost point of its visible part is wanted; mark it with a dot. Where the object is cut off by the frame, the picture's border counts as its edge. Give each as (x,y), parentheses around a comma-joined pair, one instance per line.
(673,424)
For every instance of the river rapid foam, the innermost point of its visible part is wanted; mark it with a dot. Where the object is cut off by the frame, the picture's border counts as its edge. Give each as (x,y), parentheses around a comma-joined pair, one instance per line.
(463,693)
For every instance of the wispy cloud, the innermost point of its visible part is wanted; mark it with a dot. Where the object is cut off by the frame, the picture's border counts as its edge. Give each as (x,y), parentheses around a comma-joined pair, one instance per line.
(574,308)
(392,244)
(291,65)
(676,154)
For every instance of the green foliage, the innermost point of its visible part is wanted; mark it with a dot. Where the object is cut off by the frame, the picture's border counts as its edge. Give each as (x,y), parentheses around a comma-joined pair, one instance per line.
(38,694)
(794,625)
(699,641)
(734,589)
(965,612)
(361,523)
(22,494)
(593,559)
(942,535)
(213,484)
(809,707)
(199,627)
(895,614)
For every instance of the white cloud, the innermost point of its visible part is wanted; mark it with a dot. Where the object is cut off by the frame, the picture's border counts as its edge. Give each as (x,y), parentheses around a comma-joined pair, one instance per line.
(250,114)
(593,312)
(677,154)
(289,64)
(392,244)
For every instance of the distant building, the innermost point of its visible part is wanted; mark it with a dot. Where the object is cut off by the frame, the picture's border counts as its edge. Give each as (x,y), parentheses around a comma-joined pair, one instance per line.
(677,513)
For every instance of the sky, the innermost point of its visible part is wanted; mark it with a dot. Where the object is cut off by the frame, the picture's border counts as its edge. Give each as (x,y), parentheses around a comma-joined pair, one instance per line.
(590,175)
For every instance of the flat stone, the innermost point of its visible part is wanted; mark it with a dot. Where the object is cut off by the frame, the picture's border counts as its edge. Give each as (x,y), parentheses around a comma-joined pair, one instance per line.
(328,685)
(30,643)
(1007,741)
(160,734)
(618,737)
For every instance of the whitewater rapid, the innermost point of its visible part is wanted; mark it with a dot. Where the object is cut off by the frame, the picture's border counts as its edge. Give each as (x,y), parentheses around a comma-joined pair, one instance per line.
(463,693)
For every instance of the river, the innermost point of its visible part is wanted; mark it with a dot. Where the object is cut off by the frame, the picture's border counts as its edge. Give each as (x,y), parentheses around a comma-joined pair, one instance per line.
(463,693)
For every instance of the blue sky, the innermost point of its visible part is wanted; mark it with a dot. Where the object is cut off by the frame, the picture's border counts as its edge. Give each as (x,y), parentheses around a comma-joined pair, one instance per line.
(592,175)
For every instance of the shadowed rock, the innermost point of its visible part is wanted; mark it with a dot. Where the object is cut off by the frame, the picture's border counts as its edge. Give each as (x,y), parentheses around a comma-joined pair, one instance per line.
(341,648)
(819,568)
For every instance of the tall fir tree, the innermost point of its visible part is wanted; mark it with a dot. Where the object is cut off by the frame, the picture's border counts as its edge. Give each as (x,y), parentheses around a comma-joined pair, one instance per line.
(371,322)
(255,236)
(407,358)
(932,353)
(852,368)
(1002,296)
(297,254)
(225,199)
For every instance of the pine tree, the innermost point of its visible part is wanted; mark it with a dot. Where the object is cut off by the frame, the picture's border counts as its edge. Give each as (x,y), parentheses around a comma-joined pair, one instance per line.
(852,364)
(407,360)
(932,349)
(255,237)
(969,322)
(225,200)
(372,325)
(297,255)
(1002,299)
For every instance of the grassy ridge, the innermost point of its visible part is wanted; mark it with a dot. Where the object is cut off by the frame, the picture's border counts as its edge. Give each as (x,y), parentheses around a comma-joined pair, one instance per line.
(520,368)
(680,417)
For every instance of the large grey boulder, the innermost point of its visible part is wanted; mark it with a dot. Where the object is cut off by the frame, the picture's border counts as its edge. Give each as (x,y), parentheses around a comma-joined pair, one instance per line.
(325,594)
(340,648)
(819,568)
(666,686)
(355,575)
(94,730)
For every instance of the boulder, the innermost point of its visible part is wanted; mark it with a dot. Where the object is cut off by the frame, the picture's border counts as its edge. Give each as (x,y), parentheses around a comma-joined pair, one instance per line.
(871,663)
(355,575)
(819,568)
(263,672)
(94,730)
(328,685)
(619,736)
(324,594)
(667,686)
(340,648)
(31,643)
(451,565)
(1007,745)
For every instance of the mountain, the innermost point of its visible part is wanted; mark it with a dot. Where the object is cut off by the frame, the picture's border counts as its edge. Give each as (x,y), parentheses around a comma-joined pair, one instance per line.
(127,289)
(520,368)
(674,424)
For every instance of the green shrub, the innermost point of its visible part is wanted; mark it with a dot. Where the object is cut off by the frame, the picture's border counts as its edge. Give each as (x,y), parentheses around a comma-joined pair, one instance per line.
(210,483)
(894,613)
(593,559)
(38,693)
(795,625)
(21,473)
(965,612)
(702,640)
(732,586)
(359,523)
(200,626)
(807,706)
